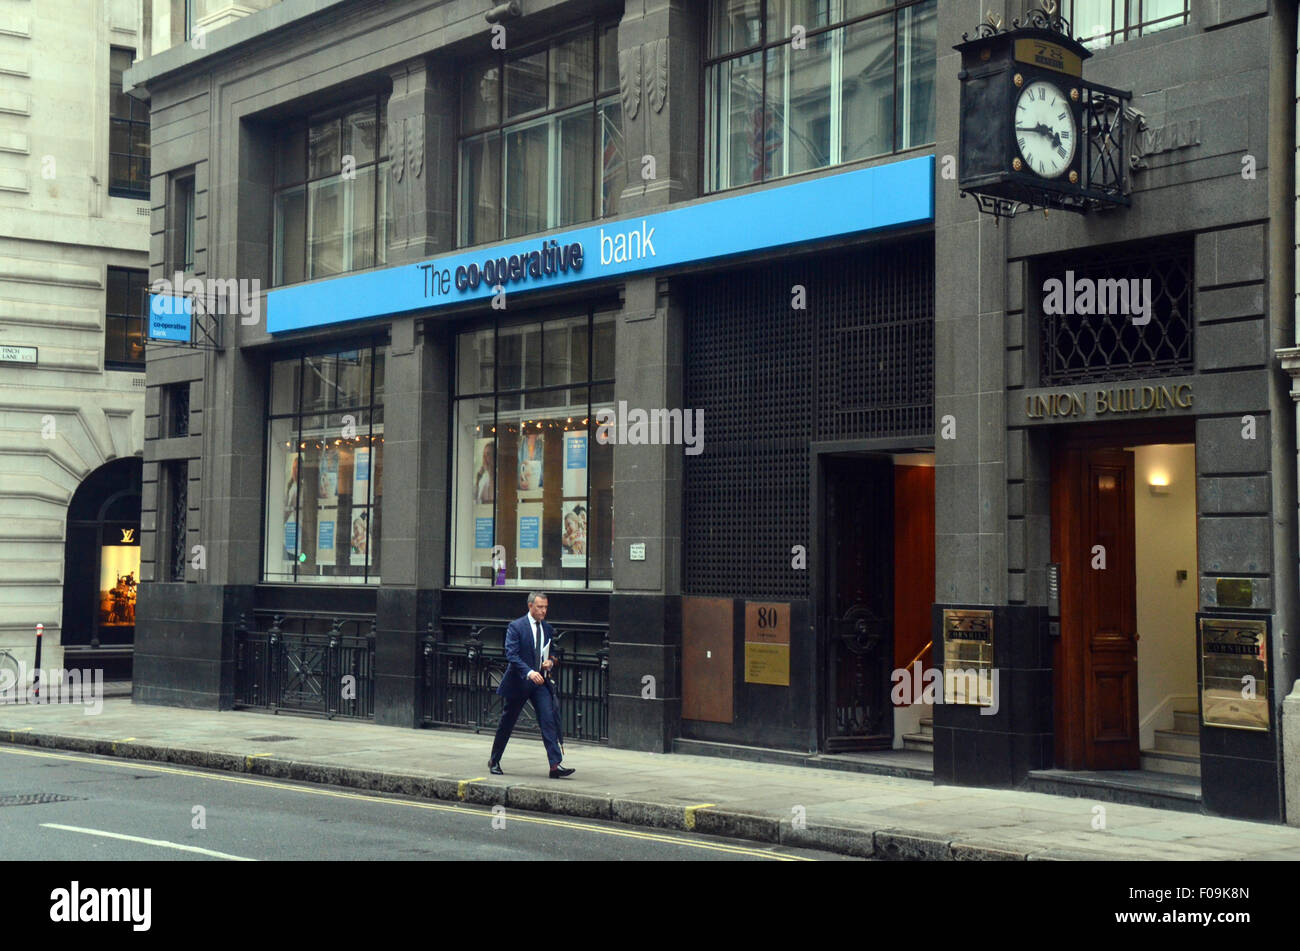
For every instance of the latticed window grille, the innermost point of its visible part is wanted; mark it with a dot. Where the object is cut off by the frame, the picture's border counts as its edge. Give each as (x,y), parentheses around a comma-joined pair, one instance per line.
(1090,347)
(178,486)
(857,363)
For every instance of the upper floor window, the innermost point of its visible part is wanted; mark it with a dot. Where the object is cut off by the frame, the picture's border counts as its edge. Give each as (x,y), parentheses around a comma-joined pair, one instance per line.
(128,133)
(1105,22)
(794,85)
(331,194)
(182,224)
(541,137)
(124,319)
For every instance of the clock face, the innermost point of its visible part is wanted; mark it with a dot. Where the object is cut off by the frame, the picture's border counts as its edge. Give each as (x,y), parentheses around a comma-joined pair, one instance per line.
(1045,129)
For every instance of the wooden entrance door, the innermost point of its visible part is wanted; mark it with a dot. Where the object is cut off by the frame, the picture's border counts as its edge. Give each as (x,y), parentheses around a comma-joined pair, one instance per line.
(1096,664)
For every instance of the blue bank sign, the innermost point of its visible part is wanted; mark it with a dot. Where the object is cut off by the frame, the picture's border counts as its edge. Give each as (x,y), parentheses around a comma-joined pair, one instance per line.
(170,317)
(832,206)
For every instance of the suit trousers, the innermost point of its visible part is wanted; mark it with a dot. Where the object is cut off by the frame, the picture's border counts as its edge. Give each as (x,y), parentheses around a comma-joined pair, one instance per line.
(544,707)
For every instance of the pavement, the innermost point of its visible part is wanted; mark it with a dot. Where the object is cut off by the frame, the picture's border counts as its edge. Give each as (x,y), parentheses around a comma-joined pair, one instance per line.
(882,817)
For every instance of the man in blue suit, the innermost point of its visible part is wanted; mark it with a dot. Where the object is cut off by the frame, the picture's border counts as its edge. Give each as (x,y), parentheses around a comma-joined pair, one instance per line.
(525,679)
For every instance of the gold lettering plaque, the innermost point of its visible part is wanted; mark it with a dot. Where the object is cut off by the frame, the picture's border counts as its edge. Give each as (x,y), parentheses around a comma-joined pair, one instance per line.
(1049,56)
(767,643)
(1234,673)
(968,657)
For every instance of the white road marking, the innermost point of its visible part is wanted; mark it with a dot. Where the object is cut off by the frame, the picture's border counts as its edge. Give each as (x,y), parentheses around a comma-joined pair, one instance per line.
(161,843)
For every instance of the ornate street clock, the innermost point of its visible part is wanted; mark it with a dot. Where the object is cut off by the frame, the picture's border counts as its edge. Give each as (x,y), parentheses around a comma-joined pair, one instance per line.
(1033,132)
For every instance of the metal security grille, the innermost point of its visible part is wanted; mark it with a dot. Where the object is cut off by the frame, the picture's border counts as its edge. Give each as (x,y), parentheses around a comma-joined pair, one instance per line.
(178,482)
(1078,346)
(857,363)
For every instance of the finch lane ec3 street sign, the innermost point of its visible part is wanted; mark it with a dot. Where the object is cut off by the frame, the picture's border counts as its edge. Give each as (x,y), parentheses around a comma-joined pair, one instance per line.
(20,355)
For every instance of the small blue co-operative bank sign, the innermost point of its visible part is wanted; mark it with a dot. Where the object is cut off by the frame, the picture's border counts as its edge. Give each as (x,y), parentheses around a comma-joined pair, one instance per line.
(171,317)
(845,203)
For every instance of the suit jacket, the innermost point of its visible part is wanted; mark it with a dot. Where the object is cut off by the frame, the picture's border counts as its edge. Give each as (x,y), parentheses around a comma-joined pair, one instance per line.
(521,657)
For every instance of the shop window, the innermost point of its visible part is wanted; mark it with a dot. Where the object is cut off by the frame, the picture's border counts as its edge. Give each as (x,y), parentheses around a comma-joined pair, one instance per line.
(128,133)
(331,194)
(860,83)
(529,475)
(1105,22)
(541,137)
(324,470)
(124,315)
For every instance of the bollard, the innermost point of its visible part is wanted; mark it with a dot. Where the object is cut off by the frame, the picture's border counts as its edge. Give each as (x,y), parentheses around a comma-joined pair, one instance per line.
(36,669)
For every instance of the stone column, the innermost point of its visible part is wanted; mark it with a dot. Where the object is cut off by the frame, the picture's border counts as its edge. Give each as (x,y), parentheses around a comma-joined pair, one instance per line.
(659,83)
(422,148)
(413,542)
(645,610)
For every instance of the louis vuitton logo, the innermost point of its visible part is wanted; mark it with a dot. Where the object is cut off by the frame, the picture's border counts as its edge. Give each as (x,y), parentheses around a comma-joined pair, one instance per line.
(128,536)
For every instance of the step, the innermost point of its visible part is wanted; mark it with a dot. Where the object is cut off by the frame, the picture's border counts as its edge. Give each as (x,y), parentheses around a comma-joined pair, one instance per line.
(1187,721)
(1132,786)
(1182,764)
(1175,741)
(921,742)
(927,726)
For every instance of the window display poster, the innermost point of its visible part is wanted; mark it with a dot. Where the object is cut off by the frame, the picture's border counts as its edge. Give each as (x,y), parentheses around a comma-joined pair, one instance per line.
(483,531)
(360,536)
(485,469)
(291,506)
(575,464)
(530,534)
(573,537)
(328,487)
(531,452)
(361,471)
(325,536)
(119,567)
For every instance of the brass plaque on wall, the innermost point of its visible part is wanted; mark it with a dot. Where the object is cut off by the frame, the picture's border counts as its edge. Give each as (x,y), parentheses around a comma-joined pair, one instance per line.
(968,656)
(708,633)
(767,643)
(1234,673)
(1234,592)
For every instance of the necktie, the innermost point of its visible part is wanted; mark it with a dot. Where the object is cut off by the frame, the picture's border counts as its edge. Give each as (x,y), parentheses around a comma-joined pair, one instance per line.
(537,644)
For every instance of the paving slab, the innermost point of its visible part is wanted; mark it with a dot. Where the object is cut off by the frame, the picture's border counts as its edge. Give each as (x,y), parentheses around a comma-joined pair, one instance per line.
(861,814)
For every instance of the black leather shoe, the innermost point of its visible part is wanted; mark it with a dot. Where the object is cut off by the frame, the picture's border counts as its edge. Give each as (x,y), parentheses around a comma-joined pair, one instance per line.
(495,768)
(559,772)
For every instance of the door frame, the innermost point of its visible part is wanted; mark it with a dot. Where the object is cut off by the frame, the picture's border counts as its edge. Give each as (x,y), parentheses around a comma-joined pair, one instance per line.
(1068,679)
(818,453)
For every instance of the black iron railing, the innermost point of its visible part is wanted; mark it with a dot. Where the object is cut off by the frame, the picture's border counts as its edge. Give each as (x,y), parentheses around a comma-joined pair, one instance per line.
(461,679)
(307,664)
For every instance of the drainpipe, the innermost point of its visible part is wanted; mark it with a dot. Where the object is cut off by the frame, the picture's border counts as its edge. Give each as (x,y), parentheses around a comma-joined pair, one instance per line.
(1289,359)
